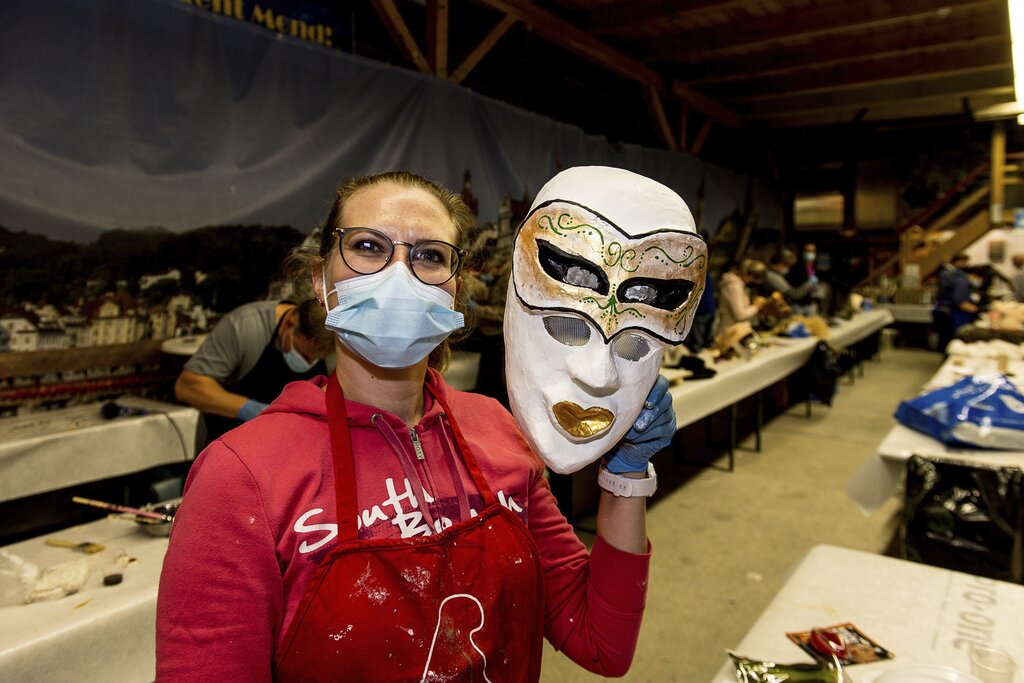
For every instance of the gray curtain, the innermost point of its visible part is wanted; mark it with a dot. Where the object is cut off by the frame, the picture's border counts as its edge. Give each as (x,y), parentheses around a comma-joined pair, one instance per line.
(140,113)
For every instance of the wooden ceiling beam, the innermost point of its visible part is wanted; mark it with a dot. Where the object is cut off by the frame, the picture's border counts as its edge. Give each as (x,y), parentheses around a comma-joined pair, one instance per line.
(657,111)
(885,115)
(437,36)
(482,48)
(874,70)
(706,104)
(401,35)
(702,137)
(834,18)
(997,81)
(630,15)
(988,81)
(568,37)
(972,29)
(577,41)
(684,112)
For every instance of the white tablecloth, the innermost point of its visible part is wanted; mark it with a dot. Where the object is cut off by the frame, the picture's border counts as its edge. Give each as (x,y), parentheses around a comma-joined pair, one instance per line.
(910,313)
(922,614)
(858,327)
(51,450)
(739,378)
(102,633)
(880,477)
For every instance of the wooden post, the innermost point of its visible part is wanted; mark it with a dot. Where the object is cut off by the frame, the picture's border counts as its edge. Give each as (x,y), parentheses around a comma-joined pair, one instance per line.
(437,36)
(997,198)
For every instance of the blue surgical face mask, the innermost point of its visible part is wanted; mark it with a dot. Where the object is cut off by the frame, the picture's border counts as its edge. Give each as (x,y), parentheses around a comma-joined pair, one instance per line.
(810,255)
(390,318)
(295,361)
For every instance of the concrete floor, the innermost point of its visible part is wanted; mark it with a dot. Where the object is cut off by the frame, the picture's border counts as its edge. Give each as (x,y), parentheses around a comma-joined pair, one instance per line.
(725,541)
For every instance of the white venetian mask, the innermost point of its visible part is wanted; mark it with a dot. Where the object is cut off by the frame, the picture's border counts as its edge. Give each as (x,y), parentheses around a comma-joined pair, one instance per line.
(607,270)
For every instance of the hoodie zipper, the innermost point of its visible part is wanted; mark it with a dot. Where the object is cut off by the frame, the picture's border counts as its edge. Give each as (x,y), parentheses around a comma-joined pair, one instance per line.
(416,444)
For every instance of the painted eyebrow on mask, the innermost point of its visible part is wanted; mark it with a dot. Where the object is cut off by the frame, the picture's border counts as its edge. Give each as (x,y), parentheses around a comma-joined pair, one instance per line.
(570,269)
(664,294)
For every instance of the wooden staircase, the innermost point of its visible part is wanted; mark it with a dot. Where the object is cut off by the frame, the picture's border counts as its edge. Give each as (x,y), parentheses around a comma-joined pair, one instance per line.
(963,212)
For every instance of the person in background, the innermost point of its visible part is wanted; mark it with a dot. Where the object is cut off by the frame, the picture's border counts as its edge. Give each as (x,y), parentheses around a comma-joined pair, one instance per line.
(953,305)
(1018,278)
(248,358)
(806,273)
(981,278)
(377,524)
(775,277)
(702,331)
(734,304)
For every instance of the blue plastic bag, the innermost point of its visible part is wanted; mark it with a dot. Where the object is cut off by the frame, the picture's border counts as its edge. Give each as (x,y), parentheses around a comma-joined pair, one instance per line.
(982,411)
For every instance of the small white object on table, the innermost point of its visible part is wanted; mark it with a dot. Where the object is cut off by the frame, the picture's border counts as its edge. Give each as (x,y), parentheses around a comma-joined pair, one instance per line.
(102,633)
(880,477)
(183,346)
(51,450)
(921,614)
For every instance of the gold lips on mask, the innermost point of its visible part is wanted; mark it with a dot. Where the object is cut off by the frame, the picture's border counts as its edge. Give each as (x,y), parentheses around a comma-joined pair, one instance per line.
(582,422)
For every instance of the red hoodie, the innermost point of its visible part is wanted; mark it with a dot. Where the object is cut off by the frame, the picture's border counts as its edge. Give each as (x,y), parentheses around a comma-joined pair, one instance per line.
(259,515)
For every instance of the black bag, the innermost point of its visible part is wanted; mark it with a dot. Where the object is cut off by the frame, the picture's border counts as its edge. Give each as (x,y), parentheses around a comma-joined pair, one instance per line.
(818,378)
(964,517)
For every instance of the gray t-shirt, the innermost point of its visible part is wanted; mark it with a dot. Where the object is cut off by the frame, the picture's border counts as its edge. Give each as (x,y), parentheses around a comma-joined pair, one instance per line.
(236,343)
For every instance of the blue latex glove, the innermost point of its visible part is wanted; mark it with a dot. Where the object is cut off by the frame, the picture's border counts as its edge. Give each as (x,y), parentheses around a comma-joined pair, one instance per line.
(250,409)
(651,431)
(813,279)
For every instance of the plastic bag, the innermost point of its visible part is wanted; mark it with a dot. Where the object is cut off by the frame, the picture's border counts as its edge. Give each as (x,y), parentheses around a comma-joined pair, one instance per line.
(982,411)
(964,517)
(757,671)
(17,576)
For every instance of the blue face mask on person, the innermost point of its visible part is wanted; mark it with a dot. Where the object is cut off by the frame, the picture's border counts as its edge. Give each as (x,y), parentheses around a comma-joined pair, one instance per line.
(295,361)
(390,318)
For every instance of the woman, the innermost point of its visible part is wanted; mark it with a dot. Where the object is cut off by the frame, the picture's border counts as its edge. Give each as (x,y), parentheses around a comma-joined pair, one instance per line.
(734,304)
(379,525)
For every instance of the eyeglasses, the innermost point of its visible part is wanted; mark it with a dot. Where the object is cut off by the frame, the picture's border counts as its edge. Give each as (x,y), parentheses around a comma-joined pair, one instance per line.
(369,251)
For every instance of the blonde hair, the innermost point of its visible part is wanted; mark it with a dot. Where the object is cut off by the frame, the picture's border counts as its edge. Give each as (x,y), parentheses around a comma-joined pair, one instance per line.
(752,268)
(306,258)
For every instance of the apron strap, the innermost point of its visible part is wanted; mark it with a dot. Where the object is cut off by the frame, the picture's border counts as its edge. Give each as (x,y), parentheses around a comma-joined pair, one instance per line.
(344,466)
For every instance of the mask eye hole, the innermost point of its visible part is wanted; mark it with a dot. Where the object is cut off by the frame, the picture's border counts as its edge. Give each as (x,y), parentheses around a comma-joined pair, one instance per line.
(664,294)
(567,330)
(630,347)
(570,269)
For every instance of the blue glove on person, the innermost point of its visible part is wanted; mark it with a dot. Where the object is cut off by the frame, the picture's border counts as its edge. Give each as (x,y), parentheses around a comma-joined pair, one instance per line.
(250,409)
(651,431)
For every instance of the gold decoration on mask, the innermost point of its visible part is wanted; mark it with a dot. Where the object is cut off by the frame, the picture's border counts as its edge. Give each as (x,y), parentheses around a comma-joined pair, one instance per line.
(581,422)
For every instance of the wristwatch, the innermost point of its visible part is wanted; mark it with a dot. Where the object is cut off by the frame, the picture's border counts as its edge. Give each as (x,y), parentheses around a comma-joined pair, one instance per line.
(624,487)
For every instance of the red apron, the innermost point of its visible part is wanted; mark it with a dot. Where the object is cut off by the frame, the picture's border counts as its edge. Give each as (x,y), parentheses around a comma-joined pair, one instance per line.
(466,604)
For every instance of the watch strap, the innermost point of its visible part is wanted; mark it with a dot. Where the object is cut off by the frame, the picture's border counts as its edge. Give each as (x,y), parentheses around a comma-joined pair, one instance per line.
(624,487)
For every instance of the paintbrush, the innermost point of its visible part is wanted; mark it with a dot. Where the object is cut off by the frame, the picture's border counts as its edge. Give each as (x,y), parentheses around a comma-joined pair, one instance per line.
(149,514)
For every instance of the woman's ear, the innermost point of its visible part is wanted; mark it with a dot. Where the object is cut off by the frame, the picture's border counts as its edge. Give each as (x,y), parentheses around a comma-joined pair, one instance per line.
(316,276)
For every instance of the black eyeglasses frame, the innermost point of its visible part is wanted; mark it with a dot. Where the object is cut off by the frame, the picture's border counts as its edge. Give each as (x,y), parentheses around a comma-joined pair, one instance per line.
(460,254)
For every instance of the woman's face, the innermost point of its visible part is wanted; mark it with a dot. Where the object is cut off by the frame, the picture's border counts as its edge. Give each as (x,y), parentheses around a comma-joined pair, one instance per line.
(405,214)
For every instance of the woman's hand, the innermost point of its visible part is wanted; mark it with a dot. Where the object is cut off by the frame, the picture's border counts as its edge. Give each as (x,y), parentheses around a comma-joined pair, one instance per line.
(651,431)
